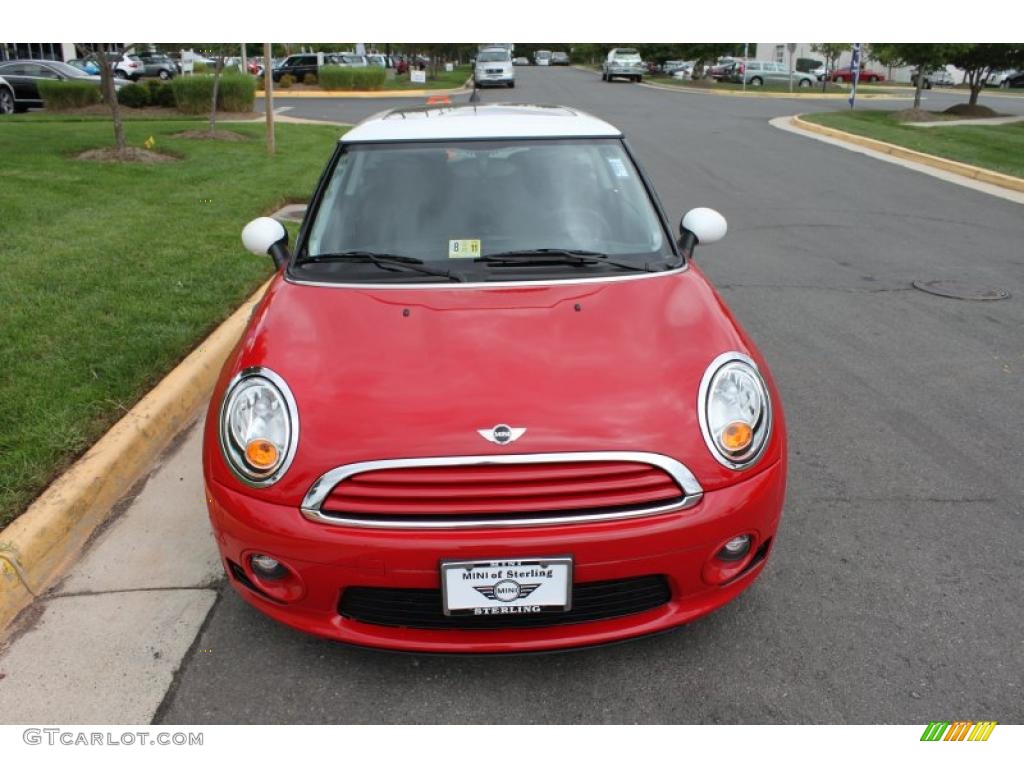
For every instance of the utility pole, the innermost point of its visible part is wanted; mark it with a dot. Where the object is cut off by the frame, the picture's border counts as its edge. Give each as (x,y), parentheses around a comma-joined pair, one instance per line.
(268,97)
(245,61)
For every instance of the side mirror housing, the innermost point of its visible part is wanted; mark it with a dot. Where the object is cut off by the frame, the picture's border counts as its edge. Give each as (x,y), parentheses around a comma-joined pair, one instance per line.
(701,226)
(267,236)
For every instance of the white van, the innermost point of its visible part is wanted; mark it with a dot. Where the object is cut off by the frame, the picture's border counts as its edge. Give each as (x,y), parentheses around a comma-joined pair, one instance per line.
(494,67)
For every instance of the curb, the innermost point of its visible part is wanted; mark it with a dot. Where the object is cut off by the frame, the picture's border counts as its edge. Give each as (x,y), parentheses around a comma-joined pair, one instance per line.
(950,166)
(40,545)
(383,94)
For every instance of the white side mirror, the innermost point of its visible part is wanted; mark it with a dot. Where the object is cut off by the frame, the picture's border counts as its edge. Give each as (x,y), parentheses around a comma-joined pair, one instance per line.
(262,234)
(706,224)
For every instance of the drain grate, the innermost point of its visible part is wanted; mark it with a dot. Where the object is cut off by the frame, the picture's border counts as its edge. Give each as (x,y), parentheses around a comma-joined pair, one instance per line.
(955,289)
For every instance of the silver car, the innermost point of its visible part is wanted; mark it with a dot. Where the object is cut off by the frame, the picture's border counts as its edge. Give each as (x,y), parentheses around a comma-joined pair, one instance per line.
(756,73)
(623,62)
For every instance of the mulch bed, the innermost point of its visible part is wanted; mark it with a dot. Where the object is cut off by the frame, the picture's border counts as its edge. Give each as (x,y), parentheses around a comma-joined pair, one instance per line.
(214,135)
(102,110)
(129,155)
(967,110)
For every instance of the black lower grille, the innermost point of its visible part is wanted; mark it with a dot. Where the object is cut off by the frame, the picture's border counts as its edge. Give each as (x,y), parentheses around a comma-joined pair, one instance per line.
(421,608)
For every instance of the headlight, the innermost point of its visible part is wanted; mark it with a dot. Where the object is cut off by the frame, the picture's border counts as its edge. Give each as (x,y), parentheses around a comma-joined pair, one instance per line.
(259,427)
(734,410)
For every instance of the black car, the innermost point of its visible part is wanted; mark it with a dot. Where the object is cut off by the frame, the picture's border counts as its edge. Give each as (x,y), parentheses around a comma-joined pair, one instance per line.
(1016,81)
(298,66)
(23,75)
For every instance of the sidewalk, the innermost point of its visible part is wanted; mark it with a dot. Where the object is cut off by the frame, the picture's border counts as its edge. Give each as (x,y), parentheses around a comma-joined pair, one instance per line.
(103,645)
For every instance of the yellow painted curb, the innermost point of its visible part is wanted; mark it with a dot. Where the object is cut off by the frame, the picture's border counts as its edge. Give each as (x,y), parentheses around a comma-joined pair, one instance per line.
(419,93)
(951,166)
(38,547)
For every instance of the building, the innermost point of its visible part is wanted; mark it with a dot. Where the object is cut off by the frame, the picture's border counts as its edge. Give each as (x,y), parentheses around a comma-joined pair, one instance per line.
(51,51)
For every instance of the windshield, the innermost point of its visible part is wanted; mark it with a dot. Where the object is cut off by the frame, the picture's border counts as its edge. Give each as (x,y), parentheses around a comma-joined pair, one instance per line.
(493,56)
(455,204)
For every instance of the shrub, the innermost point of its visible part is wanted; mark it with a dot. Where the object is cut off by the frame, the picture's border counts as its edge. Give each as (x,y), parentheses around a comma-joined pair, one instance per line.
(162,95)
(68,94)
(286,81)
(309,79)
(369,78)
(235,93)
(133,95)
(335,78)
(199,68)
(352,78)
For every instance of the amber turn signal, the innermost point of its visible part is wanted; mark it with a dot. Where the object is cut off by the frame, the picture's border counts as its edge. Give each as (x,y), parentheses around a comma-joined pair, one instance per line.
(736,436)
(261,454)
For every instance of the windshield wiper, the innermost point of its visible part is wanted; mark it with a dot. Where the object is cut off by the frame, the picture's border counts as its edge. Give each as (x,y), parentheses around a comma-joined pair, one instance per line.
(389,262)
(560,256)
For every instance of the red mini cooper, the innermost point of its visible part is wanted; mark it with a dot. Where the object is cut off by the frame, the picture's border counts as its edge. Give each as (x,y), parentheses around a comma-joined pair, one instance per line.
(489,403)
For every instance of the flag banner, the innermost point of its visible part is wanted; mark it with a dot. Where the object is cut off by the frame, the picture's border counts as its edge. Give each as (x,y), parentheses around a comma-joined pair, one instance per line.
(854,74)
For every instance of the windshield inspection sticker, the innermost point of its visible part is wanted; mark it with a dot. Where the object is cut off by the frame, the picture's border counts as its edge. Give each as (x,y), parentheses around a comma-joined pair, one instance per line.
(463,249)
(618,167)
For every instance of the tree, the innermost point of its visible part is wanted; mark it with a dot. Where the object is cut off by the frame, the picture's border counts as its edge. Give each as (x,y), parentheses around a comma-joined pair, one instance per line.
(219,54)
(924,57)
(99,55)
(831,52)
(982,59)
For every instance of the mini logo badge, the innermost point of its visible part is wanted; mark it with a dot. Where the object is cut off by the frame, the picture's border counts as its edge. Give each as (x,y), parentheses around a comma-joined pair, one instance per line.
(507,590)
(502,434)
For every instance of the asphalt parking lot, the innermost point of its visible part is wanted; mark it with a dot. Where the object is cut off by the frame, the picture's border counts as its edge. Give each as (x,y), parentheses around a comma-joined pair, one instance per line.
(893,594)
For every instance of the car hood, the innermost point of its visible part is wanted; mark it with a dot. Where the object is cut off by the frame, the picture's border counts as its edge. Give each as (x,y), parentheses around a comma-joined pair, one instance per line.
(585,366)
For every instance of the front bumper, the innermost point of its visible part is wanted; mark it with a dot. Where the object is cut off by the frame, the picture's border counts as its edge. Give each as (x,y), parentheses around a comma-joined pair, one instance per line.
(614,71)
(327,559)
(491,79)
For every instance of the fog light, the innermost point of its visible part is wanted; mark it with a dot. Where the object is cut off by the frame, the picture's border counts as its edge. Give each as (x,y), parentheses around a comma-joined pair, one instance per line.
(267,567)
(735,548)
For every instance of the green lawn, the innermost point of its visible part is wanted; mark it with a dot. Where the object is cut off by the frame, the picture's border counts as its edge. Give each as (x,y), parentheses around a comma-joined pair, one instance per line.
(455,79)
(996,147)
(113,273)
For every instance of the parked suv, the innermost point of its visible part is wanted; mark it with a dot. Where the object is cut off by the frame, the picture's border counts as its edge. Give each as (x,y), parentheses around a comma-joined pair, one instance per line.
(298,66)
(623,62)
(127,66)
(494,67)
(158,65)
(559,59)
(757,73)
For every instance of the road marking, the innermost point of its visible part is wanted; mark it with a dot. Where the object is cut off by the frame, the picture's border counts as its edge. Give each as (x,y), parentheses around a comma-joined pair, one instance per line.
(783,123)
(279,110)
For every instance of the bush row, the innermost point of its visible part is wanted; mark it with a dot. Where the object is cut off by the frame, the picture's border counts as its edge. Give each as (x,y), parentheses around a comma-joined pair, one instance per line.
(191,95)
(235,93)
(68,94)
(352,78)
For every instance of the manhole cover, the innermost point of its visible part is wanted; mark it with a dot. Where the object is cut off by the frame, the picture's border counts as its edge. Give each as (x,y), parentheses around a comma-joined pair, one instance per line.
(954,289)
(293,212)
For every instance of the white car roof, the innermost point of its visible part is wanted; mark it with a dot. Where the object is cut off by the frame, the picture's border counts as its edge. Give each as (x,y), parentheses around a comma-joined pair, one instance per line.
(482,121)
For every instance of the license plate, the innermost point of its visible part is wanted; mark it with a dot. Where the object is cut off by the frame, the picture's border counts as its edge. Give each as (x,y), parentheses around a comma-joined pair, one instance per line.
(495,587)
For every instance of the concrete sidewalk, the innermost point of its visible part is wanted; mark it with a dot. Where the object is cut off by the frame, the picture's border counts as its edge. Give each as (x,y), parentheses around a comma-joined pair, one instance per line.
(104,644)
